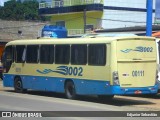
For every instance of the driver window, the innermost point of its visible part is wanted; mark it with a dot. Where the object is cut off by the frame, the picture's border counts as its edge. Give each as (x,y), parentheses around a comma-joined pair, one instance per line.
(8,58)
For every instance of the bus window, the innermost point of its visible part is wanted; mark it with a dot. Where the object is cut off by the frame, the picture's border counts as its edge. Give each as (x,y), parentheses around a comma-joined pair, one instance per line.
(47,54)
(79,54)
(62,54)
(19,53)
(32,54)
(8,58)
(97,54)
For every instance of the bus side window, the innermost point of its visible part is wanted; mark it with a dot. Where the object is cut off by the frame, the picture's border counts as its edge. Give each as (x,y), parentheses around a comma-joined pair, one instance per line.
(97,54)
(20,49)
(62,54)
(24,55)
(79,54)
(32,55)
(47,54)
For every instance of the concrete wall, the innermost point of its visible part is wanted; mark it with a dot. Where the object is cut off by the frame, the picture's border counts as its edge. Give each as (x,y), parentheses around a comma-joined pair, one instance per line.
(9,30)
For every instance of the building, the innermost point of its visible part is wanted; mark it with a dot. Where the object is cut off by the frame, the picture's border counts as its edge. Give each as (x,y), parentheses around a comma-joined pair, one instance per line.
(76,15)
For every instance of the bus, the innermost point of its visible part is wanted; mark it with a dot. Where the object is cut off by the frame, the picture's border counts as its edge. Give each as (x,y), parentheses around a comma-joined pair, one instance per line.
(104,66)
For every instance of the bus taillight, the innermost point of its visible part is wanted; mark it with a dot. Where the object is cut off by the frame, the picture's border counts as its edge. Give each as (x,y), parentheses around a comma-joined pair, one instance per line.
(157,77)
(115,78)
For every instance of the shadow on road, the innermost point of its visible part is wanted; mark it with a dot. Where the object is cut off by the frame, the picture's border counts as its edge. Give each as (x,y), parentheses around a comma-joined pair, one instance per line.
(116,101)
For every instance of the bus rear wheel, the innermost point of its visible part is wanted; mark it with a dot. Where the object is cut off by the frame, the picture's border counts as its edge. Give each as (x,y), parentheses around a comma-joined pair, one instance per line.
(18,86)
(70,91)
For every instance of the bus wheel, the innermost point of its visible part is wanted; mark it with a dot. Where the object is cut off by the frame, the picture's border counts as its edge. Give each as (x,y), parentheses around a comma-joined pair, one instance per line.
(105,97)
(18,86)
(70,91)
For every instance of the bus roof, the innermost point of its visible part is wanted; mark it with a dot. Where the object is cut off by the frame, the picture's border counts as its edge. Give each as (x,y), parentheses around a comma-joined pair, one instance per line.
(76,40)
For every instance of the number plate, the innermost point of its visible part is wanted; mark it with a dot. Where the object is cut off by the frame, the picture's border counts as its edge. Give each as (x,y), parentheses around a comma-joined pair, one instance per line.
(138,73)
(138,92)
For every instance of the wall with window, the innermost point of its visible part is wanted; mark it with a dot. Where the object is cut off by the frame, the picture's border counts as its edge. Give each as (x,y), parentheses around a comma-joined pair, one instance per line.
(76,22)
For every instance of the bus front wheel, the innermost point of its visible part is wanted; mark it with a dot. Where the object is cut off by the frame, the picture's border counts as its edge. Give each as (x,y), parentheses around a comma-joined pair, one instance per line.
(18,86)
(70,91)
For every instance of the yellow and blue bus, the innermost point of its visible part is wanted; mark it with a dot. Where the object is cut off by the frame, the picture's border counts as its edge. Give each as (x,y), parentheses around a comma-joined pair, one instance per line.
(104,66)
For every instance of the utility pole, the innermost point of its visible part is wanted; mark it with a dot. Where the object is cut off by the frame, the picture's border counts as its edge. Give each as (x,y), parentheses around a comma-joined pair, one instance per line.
(84,19)
(149,6)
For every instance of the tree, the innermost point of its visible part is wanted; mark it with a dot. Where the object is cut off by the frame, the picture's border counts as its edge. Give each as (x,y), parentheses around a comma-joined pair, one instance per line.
(18,10)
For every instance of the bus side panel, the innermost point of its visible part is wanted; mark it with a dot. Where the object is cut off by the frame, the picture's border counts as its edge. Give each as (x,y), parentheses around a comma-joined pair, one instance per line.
(36,83)
(44,83)
(8,80)
(83,86)
(92,87)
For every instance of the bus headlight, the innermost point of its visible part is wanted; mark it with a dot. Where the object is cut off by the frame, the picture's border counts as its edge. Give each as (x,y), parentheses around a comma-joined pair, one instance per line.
(115,78)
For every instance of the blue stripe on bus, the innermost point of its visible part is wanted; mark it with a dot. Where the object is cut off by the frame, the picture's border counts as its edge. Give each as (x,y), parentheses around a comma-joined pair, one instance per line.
(83,87)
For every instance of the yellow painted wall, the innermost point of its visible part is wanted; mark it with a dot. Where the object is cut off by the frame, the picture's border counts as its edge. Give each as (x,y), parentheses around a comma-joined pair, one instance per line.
(75,20)
(79,2)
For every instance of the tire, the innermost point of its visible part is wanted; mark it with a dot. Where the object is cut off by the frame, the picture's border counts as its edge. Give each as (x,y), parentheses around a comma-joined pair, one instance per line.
(18,86)
(106,97)
(70,91)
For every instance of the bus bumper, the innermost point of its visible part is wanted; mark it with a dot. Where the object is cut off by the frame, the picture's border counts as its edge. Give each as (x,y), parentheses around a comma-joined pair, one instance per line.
(117,90)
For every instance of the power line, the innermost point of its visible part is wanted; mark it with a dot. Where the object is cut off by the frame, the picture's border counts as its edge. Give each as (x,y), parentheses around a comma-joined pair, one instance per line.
(118,20)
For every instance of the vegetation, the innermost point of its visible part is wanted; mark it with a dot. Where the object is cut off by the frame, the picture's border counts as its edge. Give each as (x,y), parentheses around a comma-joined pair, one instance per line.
(17,10)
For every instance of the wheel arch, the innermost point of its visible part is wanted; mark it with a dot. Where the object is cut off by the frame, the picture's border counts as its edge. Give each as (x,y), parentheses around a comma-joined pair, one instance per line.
(70,89)
(17,76)
(68,80)
(18,84)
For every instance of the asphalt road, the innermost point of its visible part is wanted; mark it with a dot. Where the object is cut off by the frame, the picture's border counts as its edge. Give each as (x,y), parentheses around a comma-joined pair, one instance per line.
(44,101)
(49,101)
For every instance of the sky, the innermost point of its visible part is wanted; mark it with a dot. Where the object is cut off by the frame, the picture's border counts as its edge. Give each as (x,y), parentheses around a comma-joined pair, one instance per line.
(2,2)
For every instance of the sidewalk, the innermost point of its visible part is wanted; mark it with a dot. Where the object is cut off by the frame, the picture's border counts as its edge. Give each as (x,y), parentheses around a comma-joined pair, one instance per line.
(1,85)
